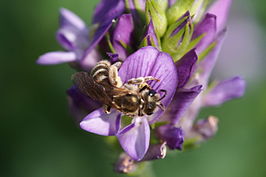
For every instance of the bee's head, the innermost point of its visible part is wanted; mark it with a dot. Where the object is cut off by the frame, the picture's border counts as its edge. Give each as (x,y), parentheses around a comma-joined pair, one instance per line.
(152,100)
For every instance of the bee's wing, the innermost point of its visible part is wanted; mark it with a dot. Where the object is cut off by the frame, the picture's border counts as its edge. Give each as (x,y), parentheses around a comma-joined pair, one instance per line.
(89,87)
(116,91)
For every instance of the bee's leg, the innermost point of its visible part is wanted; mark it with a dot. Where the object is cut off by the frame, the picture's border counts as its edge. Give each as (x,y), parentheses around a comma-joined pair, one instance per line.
(107,109)
(141,80)
(114,78)
(161,106)
(117,64)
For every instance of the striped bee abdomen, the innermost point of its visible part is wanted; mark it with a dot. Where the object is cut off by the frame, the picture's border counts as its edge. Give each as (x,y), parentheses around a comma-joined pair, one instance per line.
(100,73)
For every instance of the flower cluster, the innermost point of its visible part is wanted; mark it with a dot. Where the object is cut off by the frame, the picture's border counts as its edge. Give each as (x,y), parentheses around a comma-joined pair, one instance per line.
(176,42)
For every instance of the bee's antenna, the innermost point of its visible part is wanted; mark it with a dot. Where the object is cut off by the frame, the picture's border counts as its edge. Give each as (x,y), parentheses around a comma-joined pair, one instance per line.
(164,95)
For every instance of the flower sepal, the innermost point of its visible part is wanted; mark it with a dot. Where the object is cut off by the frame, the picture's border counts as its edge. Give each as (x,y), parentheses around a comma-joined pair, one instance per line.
(178,36)
(156,12)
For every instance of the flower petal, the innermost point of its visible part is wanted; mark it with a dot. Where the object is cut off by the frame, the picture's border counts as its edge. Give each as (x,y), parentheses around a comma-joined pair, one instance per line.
(69,19)
(114,57)
(79,104)
(155,151)
(148,61)
(89,60)
(173,136)
(185,67)
(181,101)
(207,27)
(221,8)
(107,10)
(151,36)
(53,58)
(207,64)
(100,123)
(123,35)
(207,128)
(73,33)
(99,34)
(225,91)
(135,138)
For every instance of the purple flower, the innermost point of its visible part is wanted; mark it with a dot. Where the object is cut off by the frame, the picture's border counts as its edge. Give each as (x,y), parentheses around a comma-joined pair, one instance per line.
(172,133)
(72,35)
(214,34)
(173,136)
(105,12)
(123,35)
(134,138)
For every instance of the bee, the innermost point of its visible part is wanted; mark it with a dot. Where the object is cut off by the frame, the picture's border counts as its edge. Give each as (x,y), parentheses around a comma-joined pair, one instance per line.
(133,98)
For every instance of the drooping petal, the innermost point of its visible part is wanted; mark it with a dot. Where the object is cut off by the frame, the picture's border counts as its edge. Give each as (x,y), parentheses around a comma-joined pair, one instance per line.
(100,123)
(135,138)
(148,61)
(79,104)
(185,67)
(221,9)
(107,10)
(173,136)
(122,35)
(206,27)
(181,101)
(52,58)
(73,33)
(225,91)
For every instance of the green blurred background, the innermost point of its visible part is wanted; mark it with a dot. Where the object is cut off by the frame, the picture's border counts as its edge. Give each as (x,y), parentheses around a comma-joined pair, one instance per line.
(39,137)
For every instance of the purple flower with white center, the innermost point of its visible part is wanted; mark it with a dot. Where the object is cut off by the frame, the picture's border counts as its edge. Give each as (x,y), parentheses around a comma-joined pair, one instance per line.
(135,137)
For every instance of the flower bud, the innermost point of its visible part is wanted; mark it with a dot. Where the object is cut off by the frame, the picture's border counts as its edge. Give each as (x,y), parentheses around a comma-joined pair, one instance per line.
(206,127)
(173,136)
(156,151)
(155,11)
(195,7)
(150,37)
(178,37)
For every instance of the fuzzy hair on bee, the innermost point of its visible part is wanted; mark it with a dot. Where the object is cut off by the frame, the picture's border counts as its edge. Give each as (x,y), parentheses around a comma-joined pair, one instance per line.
(133,98)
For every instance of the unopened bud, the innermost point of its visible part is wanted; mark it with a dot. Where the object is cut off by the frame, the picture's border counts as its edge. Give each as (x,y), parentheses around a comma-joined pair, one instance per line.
(178,37)
(155,11)
(195,7)
(155,151)
(207,127)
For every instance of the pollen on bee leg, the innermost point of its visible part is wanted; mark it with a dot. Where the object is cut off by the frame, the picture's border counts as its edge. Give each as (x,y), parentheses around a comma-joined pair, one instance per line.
(114,78)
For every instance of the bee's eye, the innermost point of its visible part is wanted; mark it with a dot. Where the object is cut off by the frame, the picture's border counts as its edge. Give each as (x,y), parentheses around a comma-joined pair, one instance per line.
(152,93)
